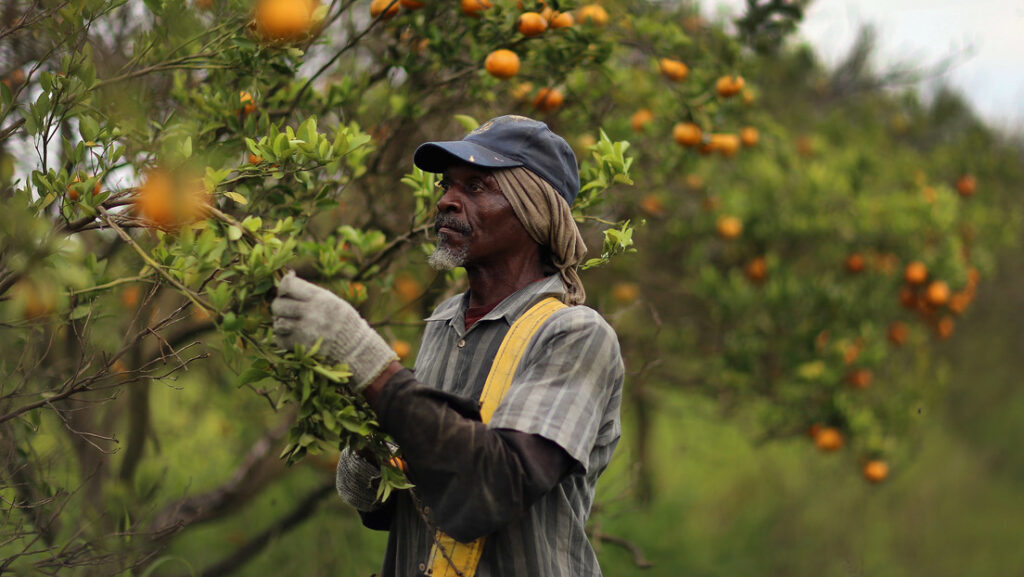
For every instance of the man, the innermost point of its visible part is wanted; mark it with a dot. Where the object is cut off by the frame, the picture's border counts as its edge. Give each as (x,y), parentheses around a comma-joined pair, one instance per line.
(518,489)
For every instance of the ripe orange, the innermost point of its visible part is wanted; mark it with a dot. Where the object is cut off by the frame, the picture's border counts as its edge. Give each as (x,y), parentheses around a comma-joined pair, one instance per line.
(673,69)
(385,9)
(855,262)
(937,293)
(36,299)
(247,102)
(756,270)
(130,296)
(728,86)
(958,302)
(401,348)
(548,99)
(355,291)
(652,205)
(898,333)
(749,136)
(725,144)
(592,14)
(475,7)
(687,134)
(908,298)
(562,20)
(944,328)
(284,20)
(531,24)
(408,288)
(253,159)
(168,203)
(625,292)
(640,119)
(502,63)
(966,185)
(860,378)
(828,439)
(876,471)
(915,273)
(729,227)
(852,352)
(73,193)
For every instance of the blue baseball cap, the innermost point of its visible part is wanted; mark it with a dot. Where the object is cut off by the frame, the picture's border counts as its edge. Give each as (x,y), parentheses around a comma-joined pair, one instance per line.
(506,142)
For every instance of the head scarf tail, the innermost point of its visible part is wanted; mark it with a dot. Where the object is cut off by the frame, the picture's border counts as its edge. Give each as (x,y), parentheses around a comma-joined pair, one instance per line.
(548,220)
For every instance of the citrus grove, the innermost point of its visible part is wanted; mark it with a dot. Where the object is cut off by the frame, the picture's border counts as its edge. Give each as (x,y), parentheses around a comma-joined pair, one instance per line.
(759,234)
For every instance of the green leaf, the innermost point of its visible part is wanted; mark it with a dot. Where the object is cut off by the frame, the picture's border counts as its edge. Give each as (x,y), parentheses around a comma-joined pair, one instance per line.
(467,122)
(186,147)
(234,233)
(237,198)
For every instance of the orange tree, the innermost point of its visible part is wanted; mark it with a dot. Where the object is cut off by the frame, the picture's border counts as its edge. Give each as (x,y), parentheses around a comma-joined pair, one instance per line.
(163,163)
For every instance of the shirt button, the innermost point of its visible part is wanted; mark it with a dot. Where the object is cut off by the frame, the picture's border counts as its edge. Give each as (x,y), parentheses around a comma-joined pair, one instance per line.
(461,343)
(423,567)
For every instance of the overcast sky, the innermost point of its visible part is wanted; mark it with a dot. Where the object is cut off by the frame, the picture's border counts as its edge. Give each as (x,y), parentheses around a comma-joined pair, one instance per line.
(985,38)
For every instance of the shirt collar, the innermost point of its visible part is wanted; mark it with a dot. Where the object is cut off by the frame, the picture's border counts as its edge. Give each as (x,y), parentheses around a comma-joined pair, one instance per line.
(453,310)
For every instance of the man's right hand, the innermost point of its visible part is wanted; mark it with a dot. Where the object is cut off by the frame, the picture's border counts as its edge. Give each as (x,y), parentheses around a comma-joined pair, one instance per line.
(305,313)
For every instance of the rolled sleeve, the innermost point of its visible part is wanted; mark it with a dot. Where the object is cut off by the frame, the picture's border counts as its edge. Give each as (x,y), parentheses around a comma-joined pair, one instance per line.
(563,387)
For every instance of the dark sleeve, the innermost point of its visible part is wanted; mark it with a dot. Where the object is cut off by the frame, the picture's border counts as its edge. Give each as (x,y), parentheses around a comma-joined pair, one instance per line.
(471,479)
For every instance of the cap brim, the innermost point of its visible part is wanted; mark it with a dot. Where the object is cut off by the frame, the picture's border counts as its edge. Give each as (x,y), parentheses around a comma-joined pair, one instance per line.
(438,156)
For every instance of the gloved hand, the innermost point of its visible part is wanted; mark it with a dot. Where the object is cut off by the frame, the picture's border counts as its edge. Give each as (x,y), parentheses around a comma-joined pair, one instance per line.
(305,313)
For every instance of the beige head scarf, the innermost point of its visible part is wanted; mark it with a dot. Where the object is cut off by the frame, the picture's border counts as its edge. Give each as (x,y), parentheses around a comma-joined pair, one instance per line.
(548,220)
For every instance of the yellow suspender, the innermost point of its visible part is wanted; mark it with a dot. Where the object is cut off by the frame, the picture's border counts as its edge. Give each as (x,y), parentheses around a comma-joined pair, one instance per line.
(448,557)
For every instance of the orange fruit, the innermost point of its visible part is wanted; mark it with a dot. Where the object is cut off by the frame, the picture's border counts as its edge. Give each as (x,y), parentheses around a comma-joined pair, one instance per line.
(502,63)
(852,352)
(687,134)
(247,102)
(855,262)
(411,5)
(966,185)
(915,273)
(562,20)
(398,463)
(625,292)
(756,270)
(640,119)
(531,24)
(937,293)
(898,333)
(958,302)
(805,146)
(828,439)
(168,203)
(725,144)
(592,14)
(522,91)
(749,136)
(253,159)
(284,20)
(673,69)
(401,348)
(908,298)
(355,291)
(729,85)
(130,296)
(384,9)
(475,7)
(408,288)
(37,300)
(729,227)
(876,471)
(860,378)
(548,99)
(652,205)
(944,328)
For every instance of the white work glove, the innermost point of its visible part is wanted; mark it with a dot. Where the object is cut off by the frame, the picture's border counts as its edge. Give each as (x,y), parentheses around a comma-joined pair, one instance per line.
(305,313)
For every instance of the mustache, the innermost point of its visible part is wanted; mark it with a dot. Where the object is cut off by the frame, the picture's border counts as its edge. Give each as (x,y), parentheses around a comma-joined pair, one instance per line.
(449,221)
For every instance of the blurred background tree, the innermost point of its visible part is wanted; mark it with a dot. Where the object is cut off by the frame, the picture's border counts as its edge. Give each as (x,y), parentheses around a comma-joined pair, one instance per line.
(808,243)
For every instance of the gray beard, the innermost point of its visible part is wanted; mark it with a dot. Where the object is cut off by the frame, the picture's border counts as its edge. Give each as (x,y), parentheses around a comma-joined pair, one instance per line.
(444,258)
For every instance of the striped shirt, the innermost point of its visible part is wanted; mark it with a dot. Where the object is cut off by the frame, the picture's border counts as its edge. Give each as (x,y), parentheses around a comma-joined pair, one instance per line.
(567,389)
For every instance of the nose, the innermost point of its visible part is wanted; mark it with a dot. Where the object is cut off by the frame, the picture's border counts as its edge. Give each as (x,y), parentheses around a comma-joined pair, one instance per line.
(449,201)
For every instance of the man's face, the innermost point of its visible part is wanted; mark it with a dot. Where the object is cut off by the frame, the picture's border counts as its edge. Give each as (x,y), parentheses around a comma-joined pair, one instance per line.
(475,223)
